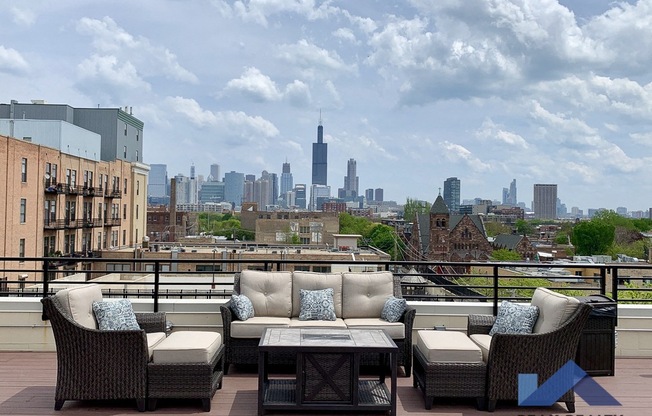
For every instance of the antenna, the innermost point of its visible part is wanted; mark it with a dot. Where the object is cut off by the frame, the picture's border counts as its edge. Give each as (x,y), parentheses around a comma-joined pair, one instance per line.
(320,116)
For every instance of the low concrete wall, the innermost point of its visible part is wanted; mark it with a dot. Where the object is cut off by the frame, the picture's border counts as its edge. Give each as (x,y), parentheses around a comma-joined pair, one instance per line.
(22,329)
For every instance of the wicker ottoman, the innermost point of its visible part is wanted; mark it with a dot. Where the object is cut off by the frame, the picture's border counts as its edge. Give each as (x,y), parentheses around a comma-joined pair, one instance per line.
(448,364)
(186,365)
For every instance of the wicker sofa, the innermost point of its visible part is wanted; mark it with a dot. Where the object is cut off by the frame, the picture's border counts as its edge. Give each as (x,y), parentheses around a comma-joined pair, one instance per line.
(358,300)
(94,364)
(553,342)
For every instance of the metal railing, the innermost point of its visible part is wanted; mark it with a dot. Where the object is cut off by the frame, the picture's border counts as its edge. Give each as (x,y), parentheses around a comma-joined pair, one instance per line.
(421,281)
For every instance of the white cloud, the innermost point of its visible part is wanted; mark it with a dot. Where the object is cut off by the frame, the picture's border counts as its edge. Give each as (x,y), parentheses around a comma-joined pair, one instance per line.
(107,69)
(254,84)
(12,61)
(346,34)
(458,153)
(298,94)
(149,60)
(644,139)
(311,59)
(489,130)
(235,123)
(23,17)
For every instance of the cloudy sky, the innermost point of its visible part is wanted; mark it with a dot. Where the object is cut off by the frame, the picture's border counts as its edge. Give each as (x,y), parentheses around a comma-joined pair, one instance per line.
(541,91)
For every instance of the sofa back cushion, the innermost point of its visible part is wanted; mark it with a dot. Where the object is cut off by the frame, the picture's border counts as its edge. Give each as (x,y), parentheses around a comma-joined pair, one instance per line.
(78,303)
(554,309)
(364,294)
(269,292)
(316,281)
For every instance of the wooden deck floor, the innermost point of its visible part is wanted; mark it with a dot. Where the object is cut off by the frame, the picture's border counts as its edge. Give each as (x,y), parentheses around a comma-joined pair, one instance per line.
(27,381)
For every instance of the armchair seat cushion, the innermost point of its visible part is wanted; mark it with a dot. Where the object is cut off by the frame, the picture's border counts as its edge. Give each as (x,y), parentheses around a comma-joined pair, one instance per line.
(483,341)
(153,339)
(254,327)
(396,330)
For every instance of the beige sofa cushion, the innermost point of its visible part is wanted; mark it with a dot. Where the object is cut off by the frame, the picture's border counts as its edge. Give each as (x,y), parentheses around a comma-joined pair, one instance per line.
(78,301)
(187,347)
(554,309)
(316,281)
(448,347)
(254,327)
(395,330)
(269,292)
(484,342)
(337,323)
(153,339)
(364,294)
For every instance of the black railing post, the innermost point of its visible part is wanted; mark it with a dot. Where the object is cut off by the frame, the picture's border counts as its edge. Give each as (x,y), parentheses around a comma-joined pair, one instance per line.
(157,279)
(614,284)
(495,297)
(603,279)
(46,285)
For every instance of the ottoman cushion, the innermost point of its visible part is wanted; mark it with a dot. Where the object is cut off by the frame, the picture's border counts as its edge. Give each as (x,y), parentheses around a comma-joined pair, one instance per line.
(187,347)
(448,347)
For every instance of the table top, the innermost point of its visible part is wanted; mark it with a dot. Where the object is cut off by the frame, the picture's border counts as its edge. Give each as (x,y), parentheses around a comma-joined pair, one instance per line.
(323,337)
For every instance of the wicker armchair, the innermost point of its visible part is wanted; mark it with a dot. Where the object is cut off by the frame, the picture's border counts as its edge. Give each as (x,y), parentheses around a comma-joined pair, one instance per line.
(244,351)
(100,365)
(541,353)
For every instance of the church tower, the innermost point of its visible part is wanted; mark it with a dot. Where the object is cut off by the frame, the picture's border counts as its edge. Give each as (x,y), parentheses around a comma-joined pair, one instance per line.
(438,248)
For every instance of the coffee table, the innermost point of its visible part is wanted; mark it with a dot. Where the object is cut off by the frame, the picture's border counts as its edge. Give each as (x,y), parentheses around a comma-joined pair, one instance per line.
(327,370)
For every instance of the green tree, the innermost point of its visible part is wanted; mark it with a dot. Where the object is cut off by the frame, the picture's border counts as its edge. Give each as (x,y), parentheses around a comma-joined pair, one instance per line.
(524,227)
(413,207)
(505,255)
(494,228)
(593,237)
(384,238)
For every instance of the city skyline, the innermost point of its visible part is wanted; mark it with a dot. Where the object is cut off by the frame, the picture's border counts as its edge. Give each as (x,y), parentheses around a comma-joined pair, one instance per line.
(416,92)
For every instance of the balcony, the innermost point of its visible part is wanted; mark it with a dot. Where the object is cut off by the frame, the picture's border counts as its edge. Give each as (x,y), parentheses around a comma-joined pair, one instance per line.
(54,224)
(191,300)
(112,222)
(113,193)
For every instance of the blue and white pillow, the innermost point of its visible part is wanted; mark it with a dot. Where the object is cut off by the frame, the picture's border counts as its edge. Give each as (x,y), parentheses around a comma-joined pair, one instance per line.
(116,315)
(513,318)
(393,309)
(316,305)
(242,307)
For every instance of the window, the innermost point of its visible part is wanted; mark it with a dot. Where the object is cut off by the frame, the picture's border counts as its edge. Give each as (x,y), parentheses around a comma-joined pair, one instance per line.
(124,212)
(118,267)
(23,210)
(73,178)
(125,129)
(124,237)
(321,269)
(99,211)
(23,170)
(49,243)
(99,241)
(208,268)
(137,211)
(21,248)
(124,150)
(137,187)
(136,155)
(125,186)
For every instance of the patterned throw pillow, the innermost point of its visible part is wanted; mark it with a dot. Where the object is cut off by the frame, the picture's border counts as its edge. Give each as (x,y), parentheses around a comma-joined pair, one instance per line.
(393,309)
(515,319)
(242,307)
(115,315)
(316,305)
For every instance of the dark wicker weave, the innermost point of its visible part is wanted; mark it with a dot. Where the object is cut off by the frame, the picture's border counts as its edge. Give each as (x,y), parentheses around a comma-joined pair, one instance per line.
(448,379)
(542,354)
(100,365)
(186,380)
(244,351)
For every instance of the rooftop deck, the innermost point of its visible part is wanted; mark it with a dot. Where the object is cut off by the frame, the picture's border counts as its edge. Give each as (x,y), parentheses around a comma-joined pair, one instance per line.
(27,382)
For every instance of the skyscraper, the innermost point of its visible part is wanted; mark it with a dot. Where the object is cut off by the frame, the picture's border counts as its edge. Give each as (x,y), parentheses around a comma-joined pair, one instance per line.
(300,195)
(378,195)
(319,158)
(158,181)
(509,195)
(215,173)
(350,190)
(287,183)
(369,194)
(545,201)
(452,194)
(233,187)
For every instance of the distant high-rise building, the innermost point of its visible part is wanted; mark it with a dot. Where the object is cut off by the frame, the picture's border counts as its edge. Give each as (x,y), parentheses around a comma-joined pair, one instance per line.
(621,211)
(300,195)
(509,195)
(350,189)
(318,194)
(157,186)
(263,190)
(287,183)
(452,194)
(378,195)
(545,201)
(320,158)
(369,194)
(215,173)
(234,187)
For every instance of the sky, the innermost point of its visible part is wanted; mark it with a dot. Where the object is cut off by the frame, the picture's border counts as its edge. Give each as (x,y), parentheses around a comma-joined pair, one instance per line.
(540,91)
